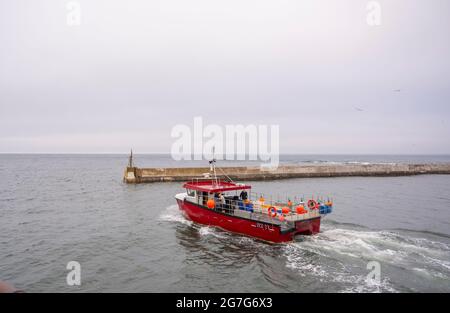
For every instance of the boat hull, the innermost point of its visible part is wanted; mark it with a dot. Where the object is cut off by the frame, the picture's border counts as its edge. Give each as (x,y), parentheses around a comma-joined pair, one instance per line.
(262,230)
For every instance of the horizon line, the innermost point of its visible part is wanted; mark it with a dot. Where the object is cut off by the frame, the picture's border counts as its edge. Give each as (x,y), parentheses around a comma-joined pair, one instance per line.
(166,153)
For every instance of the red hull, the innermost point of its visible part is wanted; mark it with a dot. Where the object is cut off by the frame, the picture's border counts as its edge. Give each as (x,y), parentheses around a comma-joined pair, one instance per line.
(261,230)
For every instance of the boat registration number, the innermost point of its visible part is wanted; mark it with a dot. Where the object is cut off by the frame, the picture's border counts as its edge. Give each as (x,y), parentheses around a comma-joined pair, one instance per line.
(264,226)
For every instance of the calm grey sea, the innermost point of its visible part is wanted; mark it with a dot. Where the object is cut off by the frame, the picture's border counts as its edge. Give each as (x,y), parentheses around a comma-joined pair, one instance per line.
(132,238)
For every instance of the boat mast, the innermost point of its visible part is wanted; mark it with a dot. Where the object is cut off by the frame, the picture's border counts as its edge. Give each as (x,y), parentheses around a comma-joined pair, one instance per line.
(213,166)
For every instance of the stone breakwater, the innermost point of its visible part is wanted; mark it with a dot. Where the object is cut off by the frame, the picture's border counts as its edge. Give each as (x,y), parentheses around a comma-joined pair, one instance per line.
(135,175)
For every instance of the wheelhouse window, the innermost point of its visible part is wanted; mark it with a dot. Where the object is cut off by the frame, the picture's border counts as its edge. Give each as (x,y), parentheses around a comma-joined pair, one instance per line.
(190,192)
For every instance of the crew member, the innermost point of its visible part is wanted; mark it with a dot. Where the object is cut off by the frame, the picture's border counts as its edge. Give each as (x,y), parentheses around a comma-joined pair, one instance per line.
(222,201)
(243,195)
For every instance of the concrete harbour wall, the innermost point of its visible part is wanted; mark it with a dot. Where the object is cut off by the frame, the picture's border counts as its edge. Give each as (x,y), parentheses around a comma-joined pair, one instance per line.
(147,175)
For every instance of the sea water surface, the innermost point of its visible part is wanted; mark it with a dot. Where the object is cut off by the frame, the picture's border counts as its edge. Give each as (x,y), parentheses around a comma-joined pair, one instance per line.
(132,238)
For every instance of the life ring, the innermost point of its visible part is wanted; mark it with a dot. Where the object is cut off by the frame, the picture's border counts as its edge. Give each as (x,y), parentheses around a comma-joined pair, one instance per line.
(272,211)
(312,204)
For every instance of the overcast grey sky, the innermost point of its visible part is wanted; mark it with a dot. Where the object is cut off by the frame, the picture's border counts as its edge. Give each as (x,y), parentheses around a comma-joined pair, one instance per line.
(133,69)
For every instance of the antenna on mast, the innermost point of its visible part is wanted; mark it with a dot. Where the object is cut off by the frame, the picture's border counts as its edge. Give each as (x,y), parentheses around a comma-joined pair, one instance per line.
(213,165)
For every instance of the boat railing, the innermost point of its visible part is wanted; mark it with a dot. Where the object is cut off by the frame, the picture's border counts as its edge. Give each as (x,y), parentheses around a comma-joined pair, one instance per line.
(218,180)
(259,211)
(256,204)
(240,209)
(274,201)
(258,207)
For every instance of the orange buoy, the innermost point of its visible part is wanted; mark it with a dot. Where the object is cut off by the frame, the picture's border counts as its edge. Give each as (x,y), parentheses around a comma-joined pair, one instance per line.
(300,209)
(285,210)
(289,203)
(281,218)
(210,204)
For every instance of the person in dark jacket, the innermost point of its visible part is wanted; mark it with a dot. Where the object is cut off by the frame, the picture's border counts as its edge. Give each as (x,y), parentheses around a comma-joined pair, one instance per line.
(243,195)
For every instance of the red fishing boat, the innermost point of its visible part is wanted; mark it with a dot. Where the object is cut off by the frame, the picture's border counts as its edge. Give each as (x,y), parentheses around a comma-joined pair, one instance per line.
(233,207)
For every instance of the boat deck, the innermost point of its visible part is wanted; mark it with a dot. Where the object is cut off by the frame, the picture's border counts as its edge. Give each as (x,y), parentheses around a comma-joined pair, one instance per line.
(259,215)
